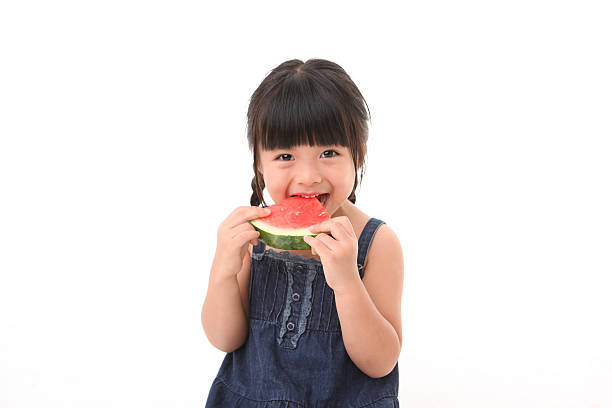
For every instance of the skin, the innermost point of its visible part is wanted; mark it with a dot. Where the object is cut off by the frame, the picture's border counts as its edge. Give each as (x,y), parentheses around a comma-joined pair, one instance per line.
(369,309)
(303,169)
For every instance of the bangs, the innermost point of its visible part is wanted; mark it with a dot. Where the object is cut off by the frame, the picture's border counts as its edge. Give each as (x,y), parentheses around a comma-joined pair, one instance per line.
(300,114)
(307,104)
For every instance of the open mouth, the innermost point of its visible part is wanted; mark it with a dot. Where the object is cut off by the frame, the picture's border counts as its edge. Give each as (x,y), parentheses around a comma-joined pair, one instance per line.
(321,197)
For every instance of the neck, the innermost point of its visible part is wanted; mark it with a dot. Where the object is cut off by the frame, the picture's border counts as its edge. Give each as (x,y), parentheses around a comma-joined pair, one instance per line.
(344,210)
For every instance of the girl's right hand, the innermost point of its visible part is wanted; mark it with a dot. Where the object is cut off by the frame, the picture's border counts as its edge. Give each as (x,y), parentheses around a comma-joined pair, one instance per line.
(233,237)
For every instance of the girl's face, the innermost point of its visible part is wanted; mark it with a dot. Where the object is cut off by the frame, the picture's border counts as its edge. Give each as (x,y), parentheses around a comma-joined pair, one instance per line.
(304,170)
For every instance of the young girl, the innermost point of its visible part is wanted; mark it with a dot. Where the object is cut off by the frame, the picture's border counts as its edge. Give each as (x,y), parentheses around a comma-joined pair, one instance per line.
(316,328)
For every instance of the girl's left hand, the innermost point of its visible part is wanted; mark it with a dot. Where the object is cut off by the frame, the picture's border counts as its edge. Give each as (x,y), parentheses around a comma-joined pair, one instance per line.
(338,252)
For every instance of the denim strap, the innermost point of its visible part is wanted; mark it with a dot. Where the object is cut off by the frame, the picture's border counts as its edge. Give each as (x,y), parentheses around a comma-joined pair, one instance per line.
(258,250)
(365,239)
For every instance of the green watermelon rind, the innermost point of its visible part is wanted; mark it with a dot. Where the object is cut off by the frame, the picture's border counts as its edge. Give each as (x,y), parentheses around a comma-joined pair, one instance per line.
(292,239)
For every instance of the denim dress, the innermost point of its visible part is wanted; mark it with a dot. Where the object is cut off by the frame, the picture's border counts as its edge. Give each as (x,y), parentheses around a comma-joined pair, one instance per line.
(294,356)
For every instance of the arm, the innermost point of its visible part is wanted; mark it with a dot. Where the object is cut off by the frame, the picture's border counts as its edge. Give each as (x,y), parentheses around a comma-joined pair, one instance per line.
(225,309)
(370,310)
(370,340)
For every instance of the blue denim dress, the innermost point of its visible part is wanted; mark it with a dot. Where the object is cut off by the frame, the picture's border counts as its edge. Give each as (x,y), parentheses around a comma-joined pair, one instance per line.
(294,356)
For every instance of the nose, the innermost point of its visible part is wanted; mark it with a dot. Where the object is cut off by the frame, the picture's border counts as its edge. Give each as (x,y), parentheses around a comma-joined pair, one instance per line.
(308,174)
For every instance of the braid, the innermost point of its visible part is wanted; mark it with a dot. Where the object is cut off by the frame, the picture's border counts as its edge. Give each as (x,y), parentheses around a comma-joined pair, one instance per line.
(352,198)
(257,184)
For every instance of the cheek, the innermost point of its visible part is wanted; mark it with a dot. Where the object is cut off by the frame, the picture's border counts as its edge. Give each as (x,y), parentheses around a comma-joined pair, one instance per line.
(352,173)
(349,175)
(344,179)
(275,185)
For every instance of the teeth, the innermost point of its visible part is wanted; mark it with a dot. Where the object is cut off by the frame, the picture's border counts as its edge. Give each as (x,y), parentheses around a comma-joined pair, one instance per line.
(321,197)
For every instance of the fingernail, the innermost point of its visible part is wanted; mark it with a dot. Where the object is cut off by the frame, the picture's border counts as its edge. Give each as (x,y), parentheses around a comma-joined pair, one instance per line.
(267,210)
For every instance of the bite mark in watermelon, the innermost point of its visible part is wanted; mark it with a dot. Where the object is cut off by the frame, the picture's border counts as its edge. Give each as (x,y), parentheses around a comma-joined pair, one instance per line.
(288,222)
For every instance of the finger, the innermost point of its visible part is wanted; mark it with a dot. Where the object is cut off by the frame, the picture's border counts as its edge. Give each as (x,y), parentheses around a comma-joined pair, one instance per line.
(337,229)
(246,236)
(241,228)
(317,245)
(306,237)
(329,242)
(324,226)
(348,226)
(244,214)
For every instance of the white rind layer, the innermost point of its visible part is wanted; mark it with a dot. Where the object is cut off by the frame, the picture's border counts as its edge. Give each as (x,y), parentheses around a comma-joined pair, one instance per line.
(300,232)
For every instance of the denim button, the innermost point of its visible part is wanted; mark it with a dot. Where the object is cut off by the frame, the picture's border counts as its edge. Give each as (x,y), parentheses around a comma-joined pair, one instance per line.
(290,326)
(296,297)
(299,268)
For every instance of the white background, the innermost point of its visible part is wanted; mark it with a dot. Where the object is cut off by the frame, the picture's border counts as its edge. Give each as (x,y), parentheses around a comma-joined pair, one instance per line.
(123,146)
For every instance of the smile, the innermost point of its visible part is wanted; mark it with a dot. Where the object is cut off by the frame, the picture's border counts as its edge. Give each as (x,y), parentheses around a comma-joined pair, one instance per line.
(322,197)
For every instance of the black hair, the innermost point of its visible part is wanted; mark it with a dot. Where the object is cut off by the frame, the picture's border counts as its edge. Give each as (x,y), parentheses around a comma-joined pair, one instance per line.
(314,103)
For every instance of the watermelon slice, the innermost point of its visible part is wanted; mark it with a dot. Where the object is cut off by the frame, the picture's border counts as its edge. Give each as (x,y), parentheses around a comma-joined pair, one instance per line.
(288,222)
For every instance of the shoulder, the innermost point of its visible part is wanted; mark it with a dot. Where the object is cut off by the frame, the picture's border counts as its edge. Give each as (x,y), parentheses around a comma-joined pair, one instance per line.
(385,247)
(358,218)
(384,275)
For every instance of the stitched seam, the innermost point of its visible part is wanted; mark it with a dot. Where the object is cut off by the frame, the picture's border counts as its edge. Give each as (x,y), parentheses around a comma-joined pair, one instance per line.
(331,304)
(321,307)
(251,279)
(310,330)
(376,401)
(274,301)
(254,400)
(314,292)
(280,309)
(264,292)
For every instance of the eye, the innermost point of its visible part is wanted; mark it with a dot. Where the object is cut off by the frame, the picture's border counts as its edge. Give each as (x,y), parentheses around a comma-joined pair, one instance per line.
(284,157)
(335,153)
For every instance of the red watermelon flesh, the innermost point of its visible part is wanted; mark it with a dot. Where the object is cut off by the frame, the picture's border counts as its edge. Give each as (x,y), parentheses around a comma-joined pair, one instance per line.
(296,212)
(288,222)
